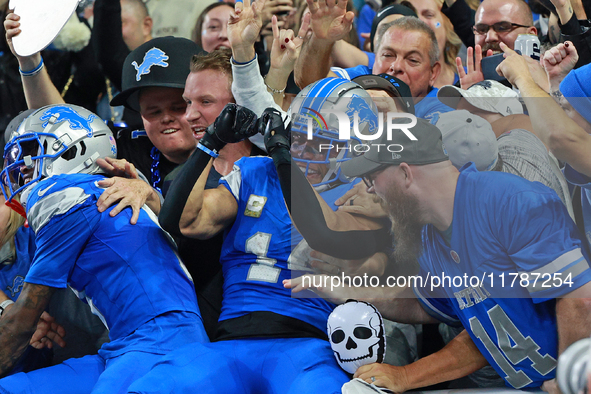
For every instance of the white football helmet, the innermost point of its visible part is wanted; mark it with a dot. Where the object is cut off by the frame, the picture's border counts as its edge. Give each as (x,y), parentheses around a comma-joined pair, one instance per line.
(315,107)
(56,139)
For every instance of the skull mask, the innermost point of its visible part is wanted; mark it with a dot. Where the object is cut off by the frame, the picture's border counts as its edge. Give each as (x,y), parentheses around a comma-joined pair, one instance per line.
(356,333)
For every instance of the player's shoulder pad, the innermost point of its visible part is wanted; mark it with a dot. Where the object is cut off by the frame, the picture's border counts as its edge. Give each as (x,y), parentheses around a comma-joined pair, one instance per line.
(55,196)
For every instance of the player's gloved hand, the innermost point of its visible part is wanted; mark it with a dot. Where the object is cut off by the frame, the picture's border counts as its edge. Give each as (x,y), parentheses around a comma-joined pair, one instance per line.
(277,136)
(234,124)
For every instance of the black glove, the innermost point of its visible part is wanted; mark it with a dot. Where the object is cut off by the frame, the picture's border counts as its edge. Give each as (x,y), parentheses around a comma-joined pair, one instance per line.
(277,136)
(234,124)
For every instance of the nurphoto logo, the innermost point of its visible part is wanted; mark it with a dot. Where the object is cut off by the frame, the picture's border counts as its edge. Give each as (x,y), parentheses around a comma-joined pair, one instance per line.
(374,132)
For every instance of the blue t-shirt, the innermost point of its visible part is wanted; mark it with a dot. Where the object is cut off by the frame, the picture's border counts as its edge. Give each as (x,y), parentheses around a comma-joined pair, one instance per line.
(257,248)
(427,108)
(127,273)
(505,227)
(576,178)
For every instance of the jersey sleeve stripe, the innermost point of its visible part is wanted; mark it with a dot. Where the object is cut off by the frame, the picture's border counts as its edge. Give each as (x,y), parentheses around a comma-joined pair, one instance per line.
(574,269)
(233,181)
(55,204)
(433,311)
(561,263)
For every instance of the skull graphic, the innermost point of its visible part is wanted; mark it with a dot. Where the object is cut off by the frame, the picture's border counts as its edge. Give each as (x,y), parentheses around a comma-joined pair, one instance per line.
(356,333)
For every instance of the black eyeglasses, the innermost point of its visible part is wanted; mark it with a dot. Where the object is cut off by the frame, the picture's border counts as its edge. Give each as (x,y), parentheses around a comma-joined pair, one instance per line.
(499,27)
(369,178)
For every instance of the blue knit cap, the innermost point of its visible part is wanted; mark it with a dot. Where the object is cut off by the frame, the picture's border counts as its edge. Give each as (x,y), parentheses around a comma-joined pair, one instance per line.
(576,89)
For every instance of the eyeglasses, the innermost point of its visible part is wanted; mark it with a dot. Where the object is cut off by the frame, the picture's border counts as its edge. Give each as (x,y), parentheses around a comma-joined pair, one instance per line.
(369,178)
(499,27)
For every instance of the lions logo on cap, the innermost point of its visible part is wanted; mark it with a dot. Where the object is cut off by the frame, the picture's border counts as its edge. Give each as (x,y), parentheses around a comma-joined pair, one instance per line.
(154,57)
(61,114)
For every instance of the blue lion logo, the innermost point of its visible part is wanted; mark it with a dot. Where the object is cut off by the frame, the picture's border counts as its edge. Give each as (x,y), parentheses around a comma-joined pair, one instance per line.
(154,57)
(364,111)
(17,284)
(77,122)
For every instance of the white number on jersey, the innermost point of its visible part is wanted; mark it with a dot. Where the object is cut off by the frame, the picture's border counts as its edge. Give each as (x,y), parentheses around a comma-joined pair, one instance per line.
(264,269)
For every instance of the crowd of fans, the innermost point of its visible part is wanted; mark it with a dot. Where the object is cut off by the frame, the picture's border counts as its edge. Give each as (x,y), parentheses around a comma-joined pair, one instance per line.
(210,103)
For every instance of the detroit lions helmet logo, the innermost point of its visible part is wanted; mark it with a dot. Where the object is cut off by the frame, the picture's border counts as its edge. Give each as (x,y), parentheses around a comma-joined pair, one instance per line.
(17,284)
(366,114)
(154,57)
(77,121)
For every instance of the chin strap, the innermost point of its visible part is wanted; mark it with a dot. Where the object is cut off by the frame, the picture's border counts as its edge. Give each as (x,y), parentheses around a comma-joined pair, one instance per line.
(18,208)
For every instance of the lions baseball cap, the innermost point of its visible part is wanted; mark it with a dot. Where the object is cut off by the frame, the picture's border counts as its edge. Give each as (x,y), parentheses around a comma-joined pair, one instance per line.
(161,62)
(427,149)
(491,96)
(394,86)
(468,138)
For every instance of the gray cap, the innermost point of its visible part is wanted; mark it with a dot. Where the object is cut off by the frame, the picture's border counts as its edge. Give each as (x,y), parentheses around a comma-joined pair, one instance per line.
(426,149)
(488,95)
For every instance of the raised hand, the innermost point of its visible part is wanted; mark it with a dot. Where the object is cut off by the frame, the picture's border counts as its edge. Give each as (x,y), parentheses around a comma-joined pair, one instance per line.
(234,124)
(244,28)
(558,62)
(330,20)
(12,26)
(286,48)
(514,67)
(474,68)
(276,134)
(276,7)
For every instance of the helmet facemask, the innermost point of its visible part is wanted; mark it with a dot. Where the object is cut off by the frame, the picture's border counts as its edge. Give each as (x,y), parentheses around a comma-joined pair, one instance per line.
(57,139)
(318,113)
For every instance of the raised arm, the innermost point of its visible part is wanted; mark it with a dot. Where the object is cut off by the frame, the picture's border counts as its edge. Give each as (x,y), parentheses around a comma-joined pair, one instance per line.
(563,136)
(284,53)
(191,210)
(107,39)
(330,23)
(38,88)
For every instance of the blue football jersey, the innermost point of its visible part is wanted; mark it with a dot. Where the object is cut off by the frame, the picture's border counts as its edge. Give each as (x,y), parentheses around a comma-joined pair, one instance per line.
(257,247)
(15,265)
(506,232)
(127,273)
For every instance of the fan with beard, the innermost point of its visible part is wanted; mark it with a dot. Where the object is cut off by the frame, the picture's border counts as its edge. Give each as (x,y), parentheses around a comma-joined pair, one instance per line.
(403,210)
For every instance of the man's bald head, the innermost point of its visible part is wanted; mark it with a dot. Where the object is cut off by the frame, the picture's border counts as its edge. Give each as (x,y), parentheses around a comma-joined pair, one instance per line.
(521,10)
(136,24)
(490,12)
